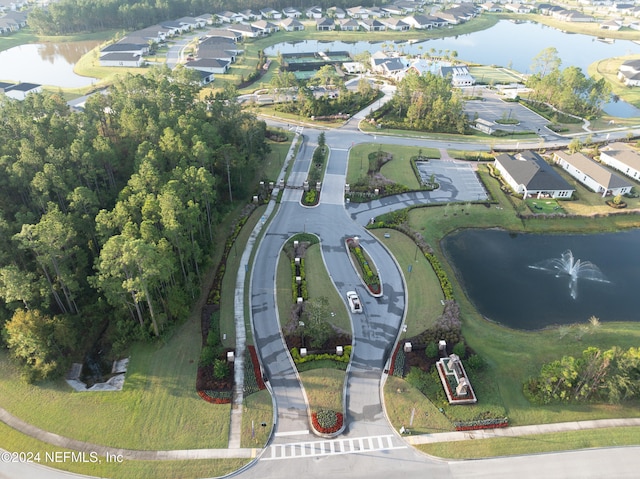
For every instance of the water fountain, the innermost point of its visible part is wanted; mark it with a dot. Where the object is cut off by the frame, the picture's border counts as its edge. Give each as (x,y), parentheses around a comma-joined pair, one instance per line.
(565,265)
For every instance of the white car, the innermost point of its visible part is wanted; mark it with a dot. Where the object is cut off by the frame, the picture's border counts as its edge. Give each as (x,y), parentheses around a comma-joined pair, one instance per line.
(354,302)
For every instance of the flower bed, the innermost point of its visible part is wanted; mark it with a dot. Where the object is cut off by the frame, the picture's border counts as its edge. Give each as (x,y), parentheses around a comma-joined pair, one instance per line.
(253,381)
(326,421)
(369,274)
(216,397)
(491,423)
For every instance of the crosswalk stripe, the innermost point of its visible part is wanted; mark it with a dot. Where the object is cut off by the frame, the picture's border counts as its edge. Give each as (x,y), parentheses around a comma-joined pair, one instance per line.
(331,447)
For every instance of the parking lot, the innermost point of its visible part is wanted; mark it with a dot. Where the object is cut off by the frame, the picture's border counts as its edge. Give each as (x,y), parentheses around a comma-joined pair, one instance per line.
(457,179)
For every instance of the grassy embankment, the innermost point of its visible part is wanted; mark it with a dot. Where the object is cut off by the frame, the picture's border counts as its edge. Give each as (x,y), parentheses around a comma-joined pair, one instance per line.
(513,355)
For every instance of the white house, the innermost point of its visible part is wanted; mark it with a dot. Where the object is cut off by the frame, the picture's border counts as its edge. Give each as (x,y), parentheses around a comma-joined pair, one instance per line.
(21,90)
(291,25)
(591,174)
(394,24)
(458,74)
(529,175)
(348,25)
(623,158)
(314,12)
(211,65)
(419,22)
(325,24)
(629,73)
(291,12)
(121,60)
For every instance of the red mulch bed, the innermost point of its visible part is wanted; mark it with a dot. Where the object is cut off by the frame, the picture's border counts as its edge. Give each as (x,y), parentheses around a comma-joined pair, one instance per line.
(256,367)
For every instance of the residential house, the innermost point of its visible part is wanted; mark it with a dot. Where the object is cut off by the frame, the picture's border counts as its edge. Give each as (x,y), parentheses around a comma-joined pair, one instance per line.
(591,174)
(21,90)
(408,6)
(153,34)
(348,25)
(4,85)
(377,12)
(629,73)
(229,17)
(224,33)
(271,13)
(250,15)
(572,16)
(336,12)
(174,28)
(393,67)
(491,7)
(419,22)
(291,25)
(137,49)
(517,8)
(372,25)
(266,26)
(291,12)
(211,65)
(191,23)
(207,18)
(623,158)
(12,22)
(529,175)
(458,74)
(394,10)
(612,25)
(325,24)
(358,12)
(125,59)
(247,31)
(205,77)
(394,24)
(314,12)
(420,66)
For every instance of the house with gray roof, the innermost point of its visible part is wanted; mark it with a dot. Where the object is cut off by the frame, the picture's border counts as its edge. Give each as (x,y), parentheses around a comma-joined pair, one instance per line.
(118,59)
(629,73)
(530,176)
(325,24)
(291,25)
(591,174)
(623,158)
(21,90)
(211,65)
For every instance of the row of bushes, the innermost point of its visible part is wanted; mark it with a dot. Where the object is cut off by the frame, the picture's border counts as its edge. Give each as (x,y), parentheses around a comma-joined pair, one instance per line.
(299,290)
(298,359)
(213,348)
(431,185)
(490,423)
(445,284)
(214,293)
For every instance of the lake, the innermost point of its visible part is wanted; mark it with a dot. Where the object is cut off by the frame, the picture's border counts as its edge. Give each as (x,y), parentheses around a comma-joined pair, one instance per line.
(505,44)
(46,63)
(494,267)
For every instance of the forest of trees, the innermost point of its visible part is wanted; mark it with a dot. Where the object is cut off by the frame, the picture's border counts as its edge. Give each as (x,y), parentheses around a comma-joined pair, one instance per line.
(107,216)
(568,90)
(426,103)
(79,16)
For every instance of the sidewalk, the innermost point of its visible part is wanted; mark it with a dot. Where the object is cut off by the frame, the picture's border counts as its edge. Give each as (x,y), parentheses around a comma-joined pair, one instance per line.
(235,427)
(520,430)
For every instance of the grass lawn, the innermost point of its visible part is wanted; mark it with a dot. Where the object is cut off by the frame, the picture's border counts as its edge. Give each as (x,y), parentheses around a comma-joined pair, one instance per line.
(398,170)
(608,68)
(323,388)
(14,441)
(157,409)
(493,75)
(257,410)
(423,288)
(319,284)
(534,444)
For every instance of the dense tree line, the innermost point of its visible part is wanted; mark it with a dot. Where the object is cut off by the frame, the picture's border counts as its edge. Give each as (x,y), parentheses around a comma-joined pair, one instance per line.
(568,90)
(76,16)
(108,215)
(427,103)
(597,376)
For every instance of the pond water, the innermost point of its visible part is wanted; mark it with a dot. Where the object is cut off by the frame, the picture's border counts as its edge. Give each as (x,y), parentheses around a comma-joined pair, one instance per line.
(45,63)
(505,44)
(494,267)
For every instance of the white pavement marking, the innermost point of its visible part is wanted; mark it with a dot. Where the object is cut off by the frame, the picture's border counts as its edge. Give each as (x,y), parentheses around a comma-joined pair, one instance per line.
(330,447)
(291,433)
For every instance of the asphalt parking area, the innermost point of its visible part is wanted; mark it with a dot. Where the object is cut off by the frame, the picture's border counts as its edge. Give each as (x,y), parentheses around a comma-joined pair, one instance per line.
(457,179)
